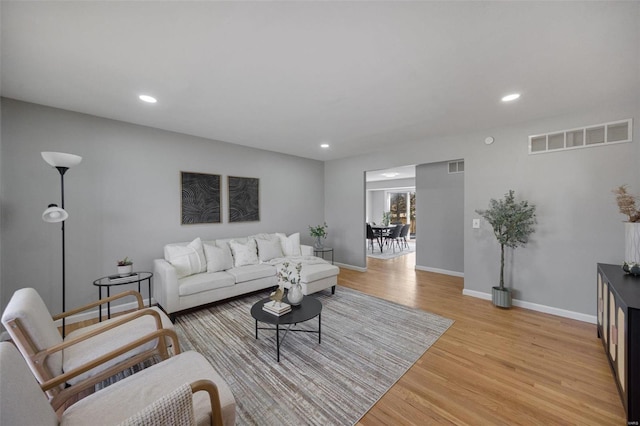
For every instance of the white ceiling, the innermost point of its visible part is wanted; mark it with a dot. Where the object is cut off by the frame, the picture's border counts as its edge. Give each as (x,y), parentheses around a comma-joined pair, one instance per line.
(287,76)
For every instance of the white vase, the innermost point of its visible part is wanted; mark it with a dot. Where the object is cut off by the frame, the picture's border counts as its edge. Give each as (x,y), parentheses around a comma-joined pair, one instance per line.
(294,296)
(632,242)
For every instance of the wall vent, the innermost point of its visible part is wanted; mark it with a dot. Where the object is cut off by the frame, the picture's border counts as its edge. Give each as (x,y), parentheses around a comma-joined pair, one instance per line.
(456,166)
(583,137)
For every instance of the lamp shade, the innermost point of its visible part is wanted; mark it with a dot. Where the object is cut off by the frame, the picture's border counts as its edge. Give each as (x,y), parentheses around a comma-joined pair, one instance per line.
(61,159)
(54,214)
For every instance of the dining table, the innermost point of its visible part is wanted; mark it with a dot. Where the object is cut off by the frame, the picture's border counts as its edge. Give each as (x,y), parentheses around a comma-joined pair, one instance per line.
(381,231)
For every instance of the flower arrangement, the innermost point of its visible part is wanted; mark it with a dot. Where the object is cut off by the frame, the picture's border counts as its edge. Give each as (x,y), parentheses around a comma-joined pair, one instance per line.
(627,203)
(125,262)
(285,275)
(319,231)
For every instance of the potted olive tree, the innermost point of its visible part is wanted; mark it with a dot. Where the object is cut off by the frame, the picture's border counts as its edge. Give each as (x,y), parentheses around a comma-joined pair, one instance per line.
(512,223)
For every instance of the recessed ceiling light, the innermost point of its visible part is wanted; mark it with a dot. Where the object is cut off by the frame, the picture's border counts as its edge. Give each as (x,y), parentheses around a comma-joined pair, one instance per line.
(390,175)
(324,145)
(147,98)
(511,97)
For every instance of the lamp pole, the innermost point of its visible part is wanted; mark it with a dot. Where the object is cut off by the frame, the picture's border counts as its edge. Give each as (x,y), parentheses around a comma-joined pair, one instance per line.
(62,171)
(62,162)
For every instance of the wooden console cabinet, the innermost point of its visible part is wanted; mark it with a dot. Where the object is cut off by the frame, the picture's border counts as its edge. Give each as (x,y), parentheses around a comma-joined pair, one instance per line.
(619,329)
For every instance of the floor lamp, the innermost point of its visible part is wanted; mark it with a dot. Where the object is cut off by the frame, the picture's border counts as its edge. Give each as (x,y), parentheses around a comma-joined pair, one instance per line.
(53,214)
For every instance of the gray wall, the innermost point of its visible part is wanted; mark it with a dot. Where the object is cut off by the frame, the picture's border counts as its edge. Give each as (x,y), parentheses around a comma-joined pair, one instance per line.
(440,218)
(124,198)
(578,220)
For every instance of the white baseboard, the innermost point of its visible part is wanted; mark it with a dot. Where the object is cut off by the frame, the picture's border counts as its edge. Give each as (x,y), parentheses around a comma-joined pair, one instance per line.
(355,268)
(440,271)
(537,307)
(92,313)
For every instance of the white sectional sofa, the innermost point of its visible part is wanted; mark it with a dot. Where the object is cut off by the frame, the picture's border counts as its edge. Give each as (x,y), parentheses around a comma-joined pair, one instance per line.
(201,272)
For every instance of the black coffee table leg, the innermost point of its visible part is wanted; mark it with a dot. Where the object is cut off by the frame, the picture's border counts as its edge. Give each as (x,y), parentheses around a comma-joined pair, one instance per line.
(319,328)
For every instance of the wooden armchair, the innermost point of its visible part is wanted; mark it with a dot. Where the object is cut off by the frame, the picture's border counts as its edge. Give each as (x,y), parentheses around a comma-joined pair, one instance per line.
(34,332)
(156,395)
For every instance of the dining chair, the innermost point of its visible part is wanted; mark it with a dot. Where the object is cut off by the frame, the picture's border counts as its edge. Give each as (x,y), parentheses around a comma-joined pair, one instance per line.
(371,236)
(403,235)
(393,237)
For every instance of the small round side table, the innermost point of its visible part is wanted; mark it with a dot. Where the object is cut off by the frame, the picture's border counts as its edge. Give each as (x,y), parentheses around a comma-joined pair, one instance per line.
(113,280)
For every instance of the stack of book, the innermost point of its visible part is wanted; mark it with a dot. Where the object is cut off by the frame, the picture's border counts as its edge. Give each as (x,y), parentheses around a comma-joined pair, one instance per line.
(118,278)
(276,308)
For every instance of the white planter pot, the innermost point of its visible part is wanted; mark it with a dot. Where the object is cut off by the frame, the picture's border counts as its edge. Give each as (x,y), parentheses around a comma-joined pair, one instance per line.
(632,242)
(123,271)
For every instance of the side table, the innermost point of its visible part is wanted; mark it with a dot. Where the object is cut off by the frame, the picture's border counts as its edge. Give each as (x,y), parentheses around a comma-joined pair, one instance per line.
(322,251)
(113,280)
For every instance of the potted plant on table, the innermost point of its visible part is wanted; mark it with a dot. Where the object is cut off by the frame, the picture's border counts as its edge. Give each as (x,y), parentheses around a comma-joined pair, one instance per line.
(320,233)
(125,267)
(512,224)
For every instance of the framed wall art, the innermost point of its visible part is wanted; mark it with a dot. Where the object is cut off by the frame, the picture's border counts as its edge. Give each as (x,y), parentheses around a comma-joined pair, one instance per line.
(200,198)
(244,199)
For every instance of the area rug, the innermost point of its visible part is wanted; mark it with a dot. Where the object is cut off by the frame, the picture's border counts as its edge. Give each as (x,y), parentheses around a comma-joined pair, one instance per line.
(367,345)
(388,252)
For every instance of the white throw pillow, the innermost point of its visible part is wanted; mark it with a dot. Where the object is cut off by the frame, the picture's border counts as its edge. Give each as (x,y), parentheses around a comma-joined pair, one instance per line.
(244,253)
(218,257)
(187,260)
(269,249)
(290,244)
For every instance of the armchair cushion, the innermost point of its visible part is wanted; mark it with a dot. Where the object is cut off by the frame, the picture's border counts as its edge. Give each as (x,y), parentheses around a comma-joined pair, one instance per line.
(27,306)
(87,350)
(22,402)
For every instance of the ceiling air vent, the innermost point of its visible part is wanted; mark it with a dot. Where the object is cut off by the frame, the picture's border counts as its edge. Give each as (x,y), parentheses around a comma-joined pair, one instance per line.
(456,166)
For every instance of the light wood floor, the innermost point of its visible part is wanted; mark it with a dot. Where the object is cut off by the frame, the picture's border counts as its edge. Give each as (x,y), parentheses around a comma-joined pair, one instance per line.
(493,366)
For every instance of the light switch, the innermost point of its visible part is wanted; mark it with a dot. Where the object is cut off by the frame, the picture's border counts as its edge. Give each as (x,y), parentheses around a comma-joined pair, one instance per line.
(476,223)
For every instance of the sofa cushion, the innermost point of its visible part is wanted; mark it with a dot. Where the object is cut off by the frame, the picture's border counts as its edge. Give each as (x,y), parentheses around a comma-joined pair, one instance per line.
(244,253)
(252,272)
(269,249)
(310,273)
(290,244)
(204,282)
(218,257)
(187,259)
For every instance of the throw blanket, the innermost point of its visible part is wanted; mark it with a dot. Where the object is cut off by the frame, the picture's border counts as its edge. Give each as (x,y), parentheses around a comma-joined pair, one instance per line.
(175,408)
(293,260)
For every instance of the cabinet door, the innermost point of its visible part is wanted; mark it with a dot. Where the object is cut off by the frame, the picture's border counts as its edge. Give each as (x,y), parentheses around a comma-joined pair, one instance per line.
(621,326)
(600,301)
(605,313)
(613,333)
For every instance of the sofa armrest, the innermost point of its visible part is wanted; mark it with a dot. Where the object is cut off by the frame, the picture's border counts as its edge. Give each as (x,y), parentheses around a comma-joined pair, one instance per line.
(306,250)
(165,285)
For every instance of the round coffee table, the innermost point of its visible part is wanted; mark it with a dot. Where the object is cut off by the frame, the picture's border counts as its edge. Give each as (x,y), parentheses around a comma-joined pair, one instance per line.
(309,308)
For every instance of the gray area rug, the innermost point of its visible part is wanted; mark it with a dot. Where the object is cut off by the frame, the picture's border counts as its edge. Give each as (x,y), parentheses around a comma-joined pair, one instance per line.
(367,345)
(388,252)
